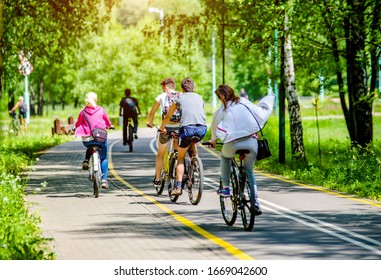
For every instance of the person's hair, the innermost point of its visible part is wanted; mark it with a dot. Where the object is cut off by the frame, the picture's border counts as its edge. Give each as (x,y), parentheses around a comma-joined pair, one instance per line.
(169,82)
(91,99)
(187,85)
(127,92)
(21,98)
(227,93)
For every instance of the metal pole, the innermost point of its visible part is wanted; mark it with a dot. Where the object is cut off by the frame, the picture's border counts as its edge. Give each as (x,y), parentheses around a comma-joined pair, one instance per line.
(26,100)
(276,68)
(214,100)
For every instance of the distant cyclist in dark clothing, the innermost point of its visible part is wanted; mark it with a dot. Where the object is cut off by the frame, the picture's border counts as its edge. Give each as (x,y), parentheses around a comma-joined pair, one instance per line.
(129,109)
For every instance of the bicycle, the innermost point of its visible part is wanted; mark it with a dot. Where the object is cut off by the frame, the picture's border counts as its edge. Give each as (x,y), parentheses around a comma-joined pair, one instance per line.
(14,125)
(243,194)
(193,178)
(95,171)
(130,135)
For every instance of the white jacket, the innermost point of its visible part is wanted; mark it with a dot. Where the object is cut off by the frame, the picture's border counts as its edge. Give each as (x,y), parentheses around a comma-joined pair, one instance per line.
(236,121)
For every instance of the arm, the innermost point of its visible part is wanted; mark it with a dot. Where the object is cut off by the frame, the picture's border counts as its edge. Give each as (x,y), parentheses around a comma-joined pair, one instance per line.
(15,107)
(168,116)
(152,113)
(216,120)
(120,107)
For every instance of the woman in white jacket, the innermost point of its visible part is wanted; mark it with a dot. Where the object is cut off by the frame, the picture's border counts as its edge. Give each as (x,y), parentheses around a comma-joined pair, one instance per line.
(235,125)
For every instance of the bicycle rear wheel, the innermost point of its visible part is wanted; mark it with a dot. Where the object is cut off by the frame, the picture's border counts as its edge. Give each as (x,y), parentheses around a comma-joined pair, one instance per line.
(247,203)
(196,180)
(229,204)
(172,179)
(96,173)
(130,137)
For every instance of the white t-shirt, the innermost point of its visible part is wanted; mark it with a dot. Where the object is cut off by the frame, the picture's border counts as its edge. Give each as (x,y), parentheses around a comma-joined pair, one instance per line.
(161,99)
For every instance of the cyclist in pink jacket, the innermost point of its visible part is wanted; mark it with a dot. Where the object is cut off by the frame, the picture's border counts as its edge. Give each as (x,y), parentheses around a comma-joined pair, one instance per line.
(98,118)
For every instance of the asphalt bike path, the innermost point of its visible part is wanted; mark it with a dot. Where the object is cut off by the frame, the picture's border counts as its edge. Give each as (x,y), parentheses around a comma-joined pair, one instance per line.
(130,221)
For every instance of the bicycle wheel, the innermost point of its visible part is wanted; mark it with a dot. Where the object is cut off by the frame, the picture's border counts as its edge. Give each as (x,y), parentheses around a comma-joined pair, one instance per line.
(196,180)
(247,203)
(229,204)
(130,137)
(14,127)
(97,174)
(172,179)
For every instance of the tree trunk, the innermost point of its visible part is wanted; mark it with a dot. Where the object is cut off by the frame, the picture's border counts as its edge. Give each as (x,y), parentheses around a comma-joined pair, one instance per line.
(1,47)
(360,101)
(40,98)
(296,128)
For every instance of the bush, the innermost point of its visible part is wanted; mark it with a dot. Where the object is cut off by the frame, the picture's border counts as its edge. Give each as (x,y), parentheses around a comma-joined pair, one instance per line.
(20,237)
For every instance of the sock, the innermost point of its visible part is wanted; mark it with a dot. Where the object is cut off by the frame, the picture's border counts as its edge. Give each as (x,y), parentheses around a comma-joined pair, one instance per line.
(178,185)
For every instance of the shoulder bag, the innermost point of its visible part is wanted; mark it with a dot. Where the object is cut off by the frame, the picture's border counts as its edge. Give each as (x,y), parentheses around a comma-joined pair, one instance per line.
(263,145)
(99,134)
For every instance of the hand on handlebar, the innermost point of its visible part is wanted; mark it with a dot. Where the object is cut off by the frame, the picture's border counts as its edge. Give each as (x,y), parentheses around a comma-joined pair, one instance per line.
(210,143)
(111,127)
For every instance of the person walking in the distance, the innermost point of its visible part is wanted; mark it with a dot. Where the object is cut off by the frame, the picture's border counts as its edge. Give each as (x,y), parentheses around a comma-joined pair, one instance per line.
(129,109)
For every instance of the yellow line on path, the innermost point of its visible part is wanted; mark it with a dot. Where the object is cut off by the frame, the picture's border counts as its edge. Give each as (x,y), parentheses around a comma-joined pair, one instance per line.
(215,239)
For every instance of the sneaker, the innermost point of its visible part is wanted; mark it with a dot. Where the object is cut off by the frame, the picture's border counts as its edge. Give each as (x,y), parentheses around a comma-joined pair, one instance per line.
(223,192)
(135,136)
(258,210)
(104,184)
(176,191)
(156,183)
(85,165)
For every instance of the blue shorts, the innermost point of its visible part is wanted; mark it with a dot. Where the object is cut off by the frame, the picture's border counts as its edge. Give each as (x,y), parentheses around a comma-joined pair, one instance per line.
(188,131)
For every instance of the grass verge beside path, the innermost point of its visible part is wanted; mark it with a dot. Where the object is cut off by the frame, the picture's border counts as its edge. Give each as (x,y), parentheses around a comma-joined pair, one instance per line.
(20,235)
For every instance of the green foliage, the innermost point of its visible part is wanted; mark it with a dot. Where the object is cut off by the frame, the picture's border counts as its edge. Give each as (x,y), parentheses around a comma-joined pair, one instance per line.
(342,167)
(19,233)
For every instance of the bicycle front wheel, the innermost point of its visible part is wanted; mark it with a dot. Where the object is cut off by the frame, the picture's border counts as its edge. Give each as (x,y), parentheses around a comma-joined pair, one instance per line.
(247,203)
(196,180)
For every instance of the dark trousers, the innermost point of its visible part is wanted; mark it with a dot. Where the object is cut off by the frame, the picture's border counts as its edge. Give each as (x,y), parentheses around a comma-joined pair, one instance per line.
(125,126)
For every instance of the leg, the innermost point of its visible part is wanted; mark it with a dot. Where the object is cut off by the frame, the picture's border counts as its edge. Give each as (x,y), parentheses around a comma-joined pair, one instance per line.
(135,120)
(180,167)
(160,159)
(104,159)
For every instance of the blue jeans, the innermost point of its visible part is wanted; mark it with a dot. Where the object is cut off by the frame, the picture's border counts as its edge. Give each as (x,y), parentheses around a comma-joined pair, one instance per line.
(102,155)
(188,131)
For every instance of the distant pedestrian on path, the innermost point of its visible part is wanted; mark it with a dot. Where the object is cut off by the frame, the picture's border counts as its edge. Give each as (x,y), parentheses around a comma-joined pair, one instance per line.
(129,109)
(98,118)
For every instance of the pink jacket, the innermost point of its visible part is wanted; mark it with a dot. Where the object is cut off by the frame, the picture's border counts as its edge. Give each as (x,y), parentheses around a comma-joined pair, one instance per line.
(97,117)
